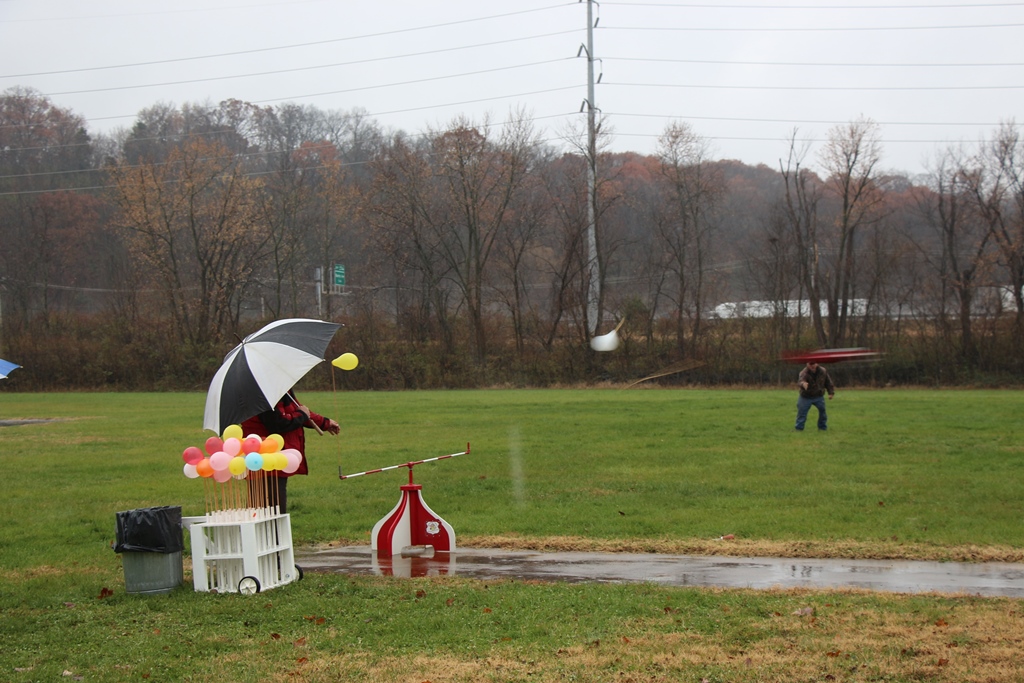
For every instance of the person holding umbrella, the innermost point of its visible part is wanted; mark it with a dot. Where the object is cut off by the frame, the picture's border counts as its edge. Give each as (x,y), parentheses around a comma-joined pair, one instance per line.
(289,418)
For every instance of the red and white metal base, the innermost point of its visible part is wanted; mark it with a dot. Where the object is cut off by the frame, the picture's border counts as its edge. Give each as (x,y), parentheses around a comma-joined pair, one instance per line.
(411,523)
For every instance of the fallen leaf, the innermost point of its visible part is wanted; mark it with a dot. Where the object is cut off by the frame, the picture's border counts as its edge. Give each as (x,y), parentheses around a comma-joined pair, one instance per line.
(622,513)
(881,503)
(275,636)
(943,662)
(941,623)
(301,660)
(487,610)
(728,537)
(834,653)
(69,605)
(421,593)
(449,602)
(301,642)
(105,593)
(625,639)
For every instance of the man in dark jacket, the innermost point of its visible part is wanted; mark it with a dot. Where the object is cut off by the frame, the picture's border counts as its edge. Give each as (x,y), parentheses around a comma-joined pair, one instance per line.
(814,382)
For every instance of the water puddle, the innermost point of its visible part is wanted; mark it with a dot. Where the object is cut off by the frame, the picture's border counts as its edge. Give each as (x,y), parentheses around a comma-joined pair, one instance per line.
(898,576)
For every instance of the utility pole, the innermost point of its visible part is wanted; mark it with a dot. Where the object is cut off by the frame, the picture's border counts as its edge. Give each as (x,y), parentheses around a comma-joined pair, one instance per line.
(593,265)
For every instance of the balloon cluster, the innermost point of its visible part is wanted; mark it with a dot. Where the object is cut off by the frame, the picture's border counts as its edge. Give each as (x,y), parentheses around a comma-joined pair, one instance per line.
(235,455)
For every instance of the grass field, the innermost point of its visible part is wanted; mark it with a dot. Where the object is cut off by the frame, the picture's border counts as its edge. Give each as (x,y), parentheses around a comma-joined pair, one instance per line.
(904,473)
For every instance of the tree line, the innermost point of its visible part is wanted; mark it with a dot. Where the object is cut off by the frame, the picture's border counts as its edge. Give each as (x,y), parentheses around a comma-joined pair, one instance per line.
(136,259)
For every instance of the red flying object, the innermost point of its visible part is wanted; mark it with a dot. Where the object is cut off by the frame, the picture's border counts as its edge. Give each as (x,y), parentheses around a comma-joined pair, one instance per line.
(830,355)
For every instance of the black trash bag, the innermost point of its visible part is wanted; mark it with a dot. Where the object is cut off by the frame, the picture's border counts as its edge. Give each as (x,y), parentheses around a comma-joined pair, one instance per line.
(156,530)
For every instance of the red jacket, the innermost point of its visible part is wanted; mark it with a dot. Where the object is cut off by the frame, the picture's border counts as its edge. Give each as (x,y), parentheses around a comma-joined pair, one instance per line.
(287,420)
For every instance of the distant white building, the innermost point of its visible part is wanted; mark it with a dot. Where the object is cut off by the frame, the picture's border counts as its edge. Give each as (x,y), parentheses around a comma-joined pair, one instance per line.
(792,308)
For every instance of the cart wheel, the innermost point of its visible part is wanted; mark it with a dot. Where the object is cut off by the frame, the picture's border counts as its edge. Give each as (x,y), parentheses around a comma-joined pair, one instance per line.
(298,572)
(249,585)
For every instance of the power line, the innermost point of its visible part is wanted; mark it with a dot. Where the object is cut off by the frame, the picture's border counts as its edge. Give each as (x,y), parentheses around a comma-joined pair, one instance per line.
(933,6)
(882,88)
(331,92)
(805,29)
(723,62)
(355,62)
(292,46)
(741,119)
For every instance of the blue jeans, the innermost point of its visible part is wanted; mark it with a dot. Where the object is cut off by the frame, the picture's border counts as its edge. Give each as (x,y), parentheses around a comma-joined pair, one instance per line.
(803,406)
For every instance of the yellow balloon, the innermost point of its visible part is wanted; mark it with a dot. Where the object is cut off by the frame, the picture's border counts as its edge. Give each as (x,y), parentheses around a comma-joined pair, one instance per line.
(233,432)
(236,465)
(346,361)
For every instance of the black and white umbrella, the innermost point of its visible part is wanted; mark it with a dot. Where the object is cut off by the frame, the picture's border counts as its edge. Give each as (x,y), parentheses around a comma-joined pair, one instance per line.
(260,370)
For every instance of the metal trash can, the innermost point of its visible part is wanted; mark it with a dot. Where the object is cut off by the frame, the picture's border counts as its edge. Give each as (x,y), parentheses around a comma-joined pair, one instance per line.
(150,542)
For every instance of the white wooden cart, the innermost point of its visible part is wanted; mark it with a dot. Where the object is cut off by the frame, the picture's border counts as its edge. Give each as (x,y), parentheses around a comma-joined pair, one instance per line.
(244,551)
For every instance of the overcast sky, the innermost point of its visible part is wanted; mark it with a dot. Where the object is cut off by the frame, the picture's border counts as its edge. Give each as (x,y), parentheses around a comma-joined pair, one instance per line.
(743,74)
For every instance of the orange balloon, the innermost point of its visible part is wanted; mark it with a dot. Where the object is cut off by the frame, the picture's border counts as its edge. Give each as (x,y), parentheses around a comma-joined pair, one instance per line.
(204,468)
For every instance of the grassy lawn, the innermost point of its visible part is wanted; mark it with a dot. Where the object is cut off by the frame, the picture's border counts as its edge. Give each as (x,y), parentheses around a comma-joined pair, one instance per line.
(901,473)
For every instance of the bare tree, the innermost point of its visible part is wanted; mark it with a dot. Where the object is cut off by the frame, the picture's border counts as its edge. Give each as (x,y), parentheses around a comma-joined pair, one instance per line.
(402,213)
(850,158)
(801,199)
(962,241)
(997,185)
(193,222)
(692,194)
(482,178)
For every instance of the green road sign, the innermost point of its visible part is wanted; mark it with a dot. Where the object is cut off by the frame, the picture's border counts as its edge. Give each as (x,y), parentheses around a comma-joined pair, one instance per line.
(339,275)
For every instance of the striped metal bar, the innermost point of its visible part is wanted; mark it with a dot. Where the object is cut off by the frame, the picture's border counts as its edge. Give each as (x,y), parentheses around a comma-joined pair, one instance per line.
(410,465)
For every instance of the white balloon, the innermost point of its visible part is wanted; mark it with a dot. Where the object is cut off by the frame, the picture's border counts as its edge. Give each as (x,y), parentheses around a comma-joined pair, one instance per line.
(606,342)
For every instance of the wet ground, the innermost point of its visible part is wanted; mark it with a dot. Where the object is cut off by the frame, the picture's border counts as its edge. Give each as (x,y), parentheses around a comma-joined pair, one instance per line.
(897,576)
(28,421)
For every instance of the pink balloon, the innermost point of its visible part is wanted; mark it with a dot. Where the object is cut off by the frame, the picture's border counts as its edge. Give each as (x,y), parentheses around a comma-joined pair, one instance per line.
(232,446)
(251,444)
(192,455)
(294,460)
(214,444)
(221,475)
(190,471)
(219,461)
